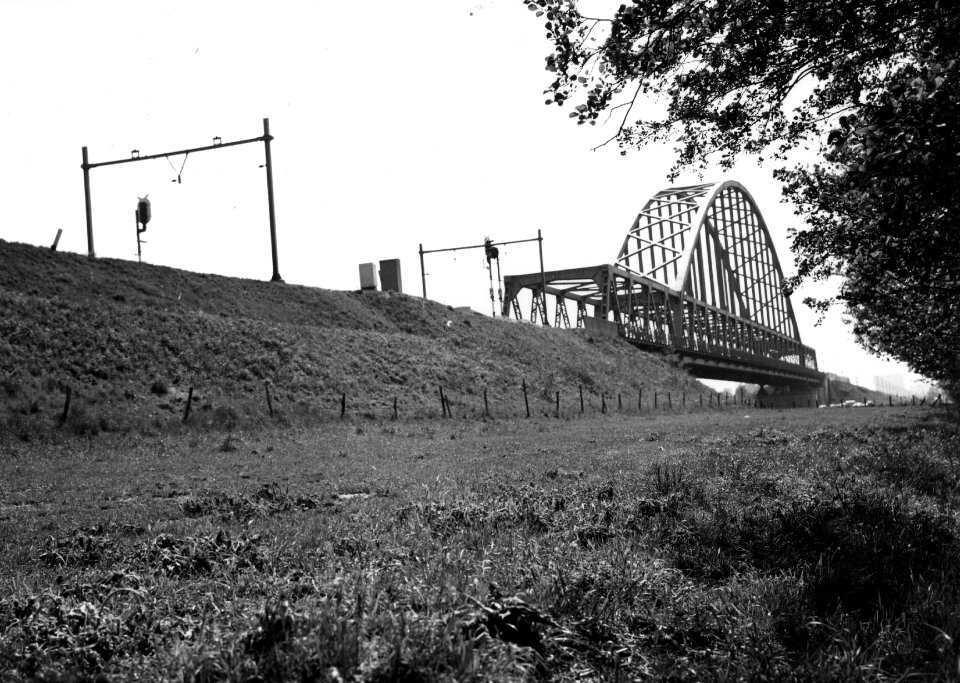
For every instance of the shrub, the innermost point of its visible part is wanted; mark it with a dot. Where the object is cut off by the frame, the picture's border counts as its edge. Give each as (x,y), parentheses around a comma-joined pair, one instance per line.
(82,422)
(225,418)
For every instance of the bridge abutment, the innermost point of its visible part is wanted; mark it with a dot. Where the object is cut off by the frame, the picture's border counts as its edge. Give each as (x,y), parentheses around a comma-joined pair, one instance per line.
(793,395)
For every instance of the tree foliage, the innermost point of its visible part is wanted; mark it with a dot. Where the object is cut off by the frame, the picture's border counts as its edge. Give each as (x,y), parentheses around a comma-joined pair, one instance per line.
(871,85)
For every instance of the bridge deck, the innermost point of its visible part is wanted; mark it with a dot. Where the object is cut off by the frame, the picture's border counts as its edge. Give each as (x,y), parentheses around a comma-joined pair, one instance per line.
(711,342)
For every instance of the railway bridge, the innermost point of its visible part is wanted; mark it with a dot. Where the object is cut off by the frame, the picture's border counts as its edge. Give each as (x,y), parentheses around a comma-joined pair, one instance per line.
(697,276)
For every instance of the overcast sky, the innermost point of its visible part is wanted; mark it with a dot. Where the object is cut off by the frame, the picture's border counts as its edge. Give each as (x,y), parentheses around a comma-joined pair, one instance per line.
(395,124)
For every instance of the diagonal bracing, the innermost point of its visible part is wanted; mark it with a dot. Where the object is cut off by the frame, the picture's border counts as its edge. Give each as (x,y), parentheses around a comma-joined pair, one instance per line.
(697,272)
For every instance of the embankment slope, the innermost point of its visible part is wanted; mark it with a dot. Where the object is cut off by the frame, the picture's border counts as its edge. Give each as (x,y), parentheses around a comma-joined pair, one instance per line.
(130,340)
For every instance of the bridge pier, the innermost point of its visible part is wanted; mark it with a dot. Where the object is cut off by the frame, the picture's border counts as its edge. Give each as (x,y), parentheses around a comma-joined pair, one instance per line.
(793,395)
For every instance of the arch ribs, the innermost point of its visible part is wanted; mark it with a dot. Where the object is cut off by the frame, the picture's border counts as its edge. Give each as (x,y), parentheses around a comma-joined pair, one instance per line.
(697,273)
(711,243)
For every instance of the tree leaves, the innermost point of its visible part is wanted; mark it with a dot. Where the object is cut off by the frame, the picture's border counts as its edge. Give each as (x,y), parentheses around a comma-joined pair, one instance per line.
(878,80)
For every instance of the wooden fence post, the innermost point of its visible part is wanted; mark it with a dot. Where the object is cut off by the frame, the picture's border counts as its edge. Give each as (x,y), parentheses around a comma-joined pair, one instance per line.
(558,404)
(343,404)
(526,403)
(640,400)
(395,408)
(443,402)
(603,403)
(486,406)
(266,386)
(186,412)
(66,405)
(581,398)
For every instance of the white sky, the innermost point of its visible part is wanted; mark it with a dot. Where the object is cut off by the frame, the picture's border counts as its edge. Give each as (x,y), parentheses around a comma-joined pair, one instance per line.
(395,124)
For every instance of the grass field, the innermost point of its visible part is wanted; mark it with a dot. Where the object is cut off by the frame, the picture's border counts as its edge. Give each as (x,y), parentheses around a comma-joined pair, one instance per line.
(795,545)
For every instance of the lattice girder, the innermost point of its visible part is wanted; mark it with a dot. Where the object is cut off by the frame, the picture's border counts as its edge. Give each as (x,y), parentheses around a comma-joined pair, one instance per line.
(697,275)
(710,243)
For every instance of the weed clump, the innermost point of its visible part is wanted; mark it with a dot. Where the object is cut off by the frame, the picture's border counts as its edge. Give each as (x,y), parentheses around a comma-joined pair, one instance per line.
(269,499)
(82,422)
(159,387)
(74,632)
(191,555)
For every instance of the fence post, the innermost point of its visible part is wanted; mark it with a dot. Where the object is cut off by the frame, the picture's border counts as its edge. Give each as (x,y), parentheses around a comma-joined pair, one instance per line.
(186,412)
(603,403)
(558,404)
(655,399)
(640,400)
(66,405)
(443,402)
(683,399)
(486,406)
(343,405)
(266,386)
(619,401)
(394,407)
(669,401)
(581,399)
(526,403)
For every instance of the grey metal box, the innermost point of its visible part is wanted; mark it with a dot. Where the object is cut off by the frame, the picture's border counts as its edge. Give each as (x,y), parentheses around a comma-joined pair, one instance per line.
(368,276)
(390,275)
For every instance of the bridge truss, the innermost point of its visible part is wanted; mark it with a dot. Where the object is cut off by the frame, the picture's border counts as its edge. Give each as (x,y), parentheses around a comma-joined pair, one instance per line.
(698,275)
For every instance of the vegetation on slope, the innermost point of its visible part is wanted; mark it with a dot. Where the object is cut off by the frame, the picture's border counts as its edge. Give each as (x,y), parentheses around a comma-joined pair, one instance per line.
(131,340)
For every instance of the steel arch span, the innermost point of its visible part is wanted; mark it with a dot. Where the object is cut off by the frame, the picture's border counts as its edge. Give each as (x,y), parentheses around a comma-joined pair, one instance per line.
(697,274)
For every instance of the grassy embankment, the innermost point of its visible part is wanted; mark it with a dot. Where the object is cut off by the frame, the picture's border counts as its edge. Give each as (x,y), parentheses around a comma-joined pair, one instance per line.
(802,545)
(131,340)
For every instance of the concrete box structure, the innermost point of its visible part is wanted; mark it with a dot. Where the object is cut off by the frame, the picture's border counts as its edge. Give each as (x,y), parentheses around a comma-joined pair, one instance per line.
(601,327)
(390,275)
(368,276)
